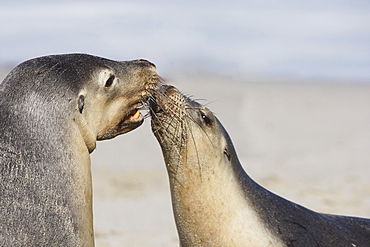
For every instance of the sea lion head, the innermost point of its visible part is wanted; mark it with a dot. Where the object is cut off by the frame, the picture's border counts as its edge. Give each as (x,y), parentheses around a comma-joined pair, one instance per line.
(191,137)
(119,89)
(97,96)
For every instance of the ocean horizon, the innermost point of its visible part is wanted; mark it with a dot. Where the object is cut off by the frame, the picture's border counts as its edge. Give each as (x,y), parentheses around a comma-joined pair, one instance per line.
(312,40)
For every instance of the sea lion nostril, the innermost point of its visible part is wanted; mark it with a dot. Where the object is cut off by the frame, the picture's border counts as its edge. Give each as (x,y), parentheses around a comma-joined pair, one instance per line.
(144,61)
(165,89)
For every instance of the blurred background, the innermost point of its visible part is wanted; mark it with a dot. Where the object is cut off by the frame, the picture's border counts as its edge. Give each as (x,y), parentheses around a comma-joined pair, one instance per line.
(289,80)
(286,39)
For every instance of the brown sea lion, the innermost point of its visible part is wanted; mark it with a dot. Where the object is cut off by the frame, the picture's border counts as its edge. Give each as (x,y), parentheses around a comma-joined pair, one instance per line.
(216,203)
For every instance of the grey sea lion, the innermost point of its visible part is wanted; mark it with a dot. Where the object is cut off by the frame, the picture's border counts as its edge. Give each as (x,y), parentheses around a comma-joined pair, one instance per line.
(53,109)
(216,203)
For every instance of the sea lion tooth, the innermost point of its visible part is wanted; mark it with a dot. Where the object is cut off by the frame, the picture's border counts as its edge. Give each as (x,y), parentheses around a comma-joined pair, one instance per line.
(137,114)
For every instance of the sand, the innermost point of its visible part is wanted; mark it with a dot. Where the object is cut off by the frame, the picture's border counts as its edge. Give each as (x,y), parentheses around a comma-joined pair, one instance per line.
(306,141)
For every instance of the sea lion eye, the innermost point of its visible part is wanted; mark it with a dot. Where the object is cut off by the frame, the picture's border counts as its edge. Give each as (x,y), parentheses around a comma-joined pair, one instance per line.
(110,80)
(206,119)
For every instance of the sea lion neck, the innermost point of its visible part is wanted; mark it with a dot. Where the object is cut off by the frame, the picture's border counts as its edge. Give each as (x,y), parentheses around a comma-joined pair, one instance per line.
(204,175)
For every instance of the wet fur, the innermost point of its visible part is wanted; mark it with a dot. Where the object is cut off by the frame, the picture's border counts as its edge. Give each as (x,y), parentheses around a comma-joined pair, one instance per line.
(271,221)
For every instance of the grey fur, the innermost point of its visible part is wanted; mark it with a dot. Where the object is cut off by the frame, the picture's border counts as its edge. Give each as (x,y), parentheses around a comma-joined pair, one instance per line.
(45,191)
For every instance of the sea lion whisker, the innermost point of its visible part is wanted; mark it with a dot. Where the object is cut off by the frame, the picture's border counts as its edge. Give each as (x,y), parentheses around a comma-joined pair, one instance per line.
(174,113)
(196,150)
(170,124)
(146,115)
(154,114)
(176,139)
(147,96)
(186,95)
(158,91)
(162,126)
(209,103)
(165,128)
(198,99)
(165,96)
(178,150)
(161,81)
(153,98)
(151,92)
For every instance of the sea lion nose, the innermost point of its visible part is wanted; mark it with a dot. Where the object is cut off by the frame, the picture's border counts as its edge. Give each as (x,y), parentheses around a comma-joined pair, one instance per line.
(145,62)
(165,89)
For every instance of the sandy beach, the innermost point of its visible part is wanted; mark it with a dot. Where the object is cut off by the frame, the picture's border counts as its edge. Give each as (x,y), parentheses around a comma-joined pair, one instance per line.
(306,141)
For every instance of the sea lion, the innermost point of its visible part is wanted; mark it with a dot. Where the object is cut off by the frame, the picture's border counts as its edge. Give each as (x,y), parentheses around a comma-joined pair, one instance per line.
(53,109)
(216,203)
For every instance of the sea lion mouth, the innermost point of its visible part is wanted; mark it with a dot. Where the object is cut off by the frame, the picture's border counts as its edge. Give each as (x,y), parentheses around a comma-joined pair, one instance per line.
(132,120)
(133,116)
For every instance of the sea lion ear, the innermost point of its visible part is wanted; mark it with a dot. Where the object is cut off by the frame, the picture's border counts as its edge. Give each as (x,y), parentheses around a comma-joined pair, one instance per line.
(81,103)
(227,153)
